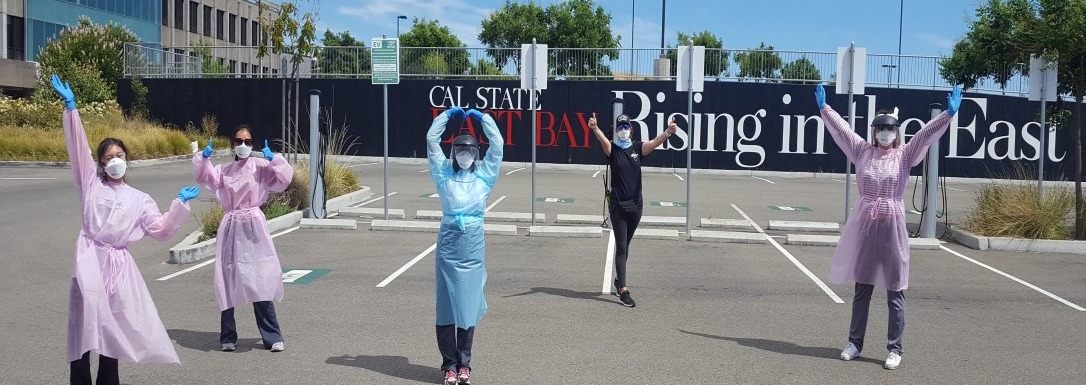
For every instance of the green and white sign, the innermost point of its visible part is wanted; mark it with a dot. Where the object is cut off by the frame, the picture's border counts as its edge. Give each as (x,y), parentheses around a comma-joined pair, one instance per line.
(554,200)
(790,208)
(668,204)
(302,276)
(385,59)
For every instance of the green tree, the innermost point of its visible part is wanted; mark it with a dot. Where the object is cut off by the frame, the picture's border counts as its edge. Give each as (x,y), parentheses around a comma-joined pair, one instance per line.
(505,29)
(290,31)
(580,24)
(343,55)
(88,56)
(486,68)
(447,56)
(1001,39)
(210,66)
(799,70)
(716,58)
(760,63)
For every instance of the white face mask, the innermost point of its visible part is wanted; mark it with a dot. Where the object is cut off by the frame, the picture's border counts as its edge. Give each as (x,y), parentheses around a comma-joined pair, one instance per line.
(622,134)
(465,159)
(243,151)
(116,167)
(886,138)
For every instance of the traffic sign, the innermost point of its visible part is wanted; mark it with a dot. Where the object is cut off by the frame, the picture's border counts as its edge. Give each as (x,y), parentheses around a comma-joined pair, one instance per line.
(385,59)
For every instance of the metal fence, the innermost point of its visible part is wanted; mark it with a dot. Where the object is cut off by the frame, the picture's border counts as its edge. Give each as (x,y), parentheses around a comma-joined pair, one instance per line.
(905,71)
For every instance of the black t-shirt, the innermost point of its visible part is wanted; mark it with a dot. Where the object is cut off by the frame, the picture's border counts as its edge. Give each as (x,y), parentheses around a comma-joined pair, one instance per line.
(626,172)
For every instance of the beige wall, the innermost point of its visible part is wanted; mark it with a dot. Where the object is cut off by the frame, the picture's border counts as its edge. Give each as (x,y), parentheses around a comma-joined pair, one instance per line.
(240,51)
(17,74)
(16,8)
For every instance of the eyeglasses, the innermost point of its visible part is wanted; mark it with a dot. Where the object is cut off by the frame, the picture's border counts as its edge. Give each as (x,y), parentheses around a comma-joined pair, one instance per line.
(240,141)
(885,128)
(623,126)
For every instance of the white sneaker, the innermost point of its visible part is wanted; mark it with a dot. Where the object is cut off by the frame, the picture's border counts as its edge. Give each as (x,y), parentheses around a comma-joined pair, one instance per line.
(229,347)
(850,352)
(277,347)
(892,361)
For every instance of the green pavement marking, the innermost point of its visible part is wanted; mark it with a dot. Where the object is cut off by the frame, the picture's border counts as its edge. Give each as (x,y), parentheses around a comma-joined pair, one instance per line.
(303,276)
(554,200)
(668,204)
(791,208)
(913,212)
(431,195)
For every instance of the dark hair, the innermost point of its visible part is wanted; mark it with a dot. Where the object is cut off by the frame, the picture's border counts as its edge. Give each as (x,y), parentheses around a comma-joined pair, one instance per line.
(102,147)
(243,127)
(884,112)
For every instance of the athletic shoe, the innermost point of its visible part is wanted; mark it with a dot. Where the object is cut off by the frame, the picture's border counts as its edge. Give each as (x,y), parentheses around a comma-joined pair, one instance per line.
(464,376)
(277,347)
(614,286)
(450,378)
(229,347)
(892,361)
(626,299)
(850,352)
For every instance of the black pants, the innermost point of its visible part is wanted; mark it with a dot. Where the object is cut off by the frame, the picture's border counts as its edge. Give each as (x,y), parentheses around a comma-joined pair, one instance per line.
(895,328)
(625,216)
(265,321)
(107,371)
(455,346)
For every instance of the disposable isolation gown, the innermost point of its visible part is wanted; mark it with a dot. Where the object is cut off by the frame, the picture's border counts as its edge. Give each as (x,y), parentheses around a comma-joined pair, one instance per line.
(460,273)
(874,245)
(111,310)
(247,267)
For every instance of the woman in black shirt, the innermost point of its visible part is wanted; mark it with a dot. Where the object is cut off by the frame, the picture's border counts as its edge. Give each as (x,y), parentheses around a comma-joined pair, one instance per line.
(625,203)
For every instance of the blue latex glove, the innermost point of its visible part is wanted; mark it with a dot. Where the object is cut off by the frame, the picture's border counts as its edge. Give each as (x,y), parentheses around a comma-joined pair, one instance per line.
(65,91)
(475,114)
(207,150)
(267,151)
(820,96)
(953,101)
(454,112)
(188,193)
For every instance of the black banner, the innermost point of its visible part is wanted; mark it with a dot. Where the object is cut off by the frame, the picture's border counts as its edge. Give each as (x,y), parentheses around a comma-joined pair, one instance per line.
(736,125)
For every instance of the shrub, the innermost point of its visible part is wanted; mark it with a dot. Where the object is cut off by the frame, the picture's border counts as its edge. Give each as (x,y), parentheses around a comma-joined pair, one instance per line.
(1011,208)
(87,56)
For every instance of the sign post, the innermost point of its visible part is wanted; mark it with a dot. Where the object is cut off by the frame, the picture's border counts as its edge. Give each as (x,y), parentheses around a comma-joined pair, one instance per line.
(1042,86)
(385,56)
(691,66)
(851,64)
(533,76)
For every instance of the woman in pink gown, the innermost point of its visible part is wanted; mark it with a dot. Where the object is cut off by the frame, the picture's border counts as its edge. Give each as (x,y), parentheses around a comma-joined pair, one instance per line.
(247,267)
(874,246)
(111,311)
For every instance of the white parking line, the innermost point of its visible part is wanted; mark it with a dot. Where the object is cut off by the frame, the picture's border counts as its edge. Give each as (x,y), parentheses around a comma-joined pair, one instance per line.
(767,180)
(609,263)
(802,268)
(596,173)
(212,260)
(362,164)
(424,170)
(1013,278)
(514,171)
(426,252)
(677,176)
(374,200)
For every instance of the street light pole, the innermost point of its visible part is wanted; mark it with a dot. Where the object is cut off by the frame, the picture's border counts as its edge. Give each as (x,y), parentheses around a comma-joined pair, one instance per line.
(900,20)
(889,68)
(663,13)
(398,18)
(633,18)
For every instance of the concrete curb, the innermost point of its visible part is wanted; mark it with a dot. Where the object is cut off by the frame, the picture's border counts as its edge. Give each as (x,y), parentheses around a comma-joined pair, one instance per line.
(727,224)
(434,227)
(968,239)
(575,219)
(132,164)
(663,221)
(662,234)
(825,227)
(370,212)
(566,231)
(188,251)
(348,199)
(727,236)
(978,242)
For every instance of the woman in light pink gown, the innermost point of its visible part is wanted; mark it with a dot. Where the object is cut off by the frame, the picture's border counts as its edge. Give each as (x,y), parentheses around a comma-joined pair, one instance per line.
(247,267)
(111,311)
(874,246)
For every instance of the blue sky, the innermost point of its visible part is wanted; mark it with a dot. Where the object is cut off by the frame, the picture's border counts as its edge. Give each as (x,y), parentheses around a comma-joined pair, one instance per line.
(930,27)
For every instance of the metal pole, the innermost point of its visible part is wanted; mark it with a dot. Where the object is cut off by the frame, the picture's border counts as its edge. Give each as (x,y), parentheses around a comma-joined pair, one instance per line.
(316,174)
(663,12)
(689,129)
(900,20)
(1044,132)
(931,186)
(851,122)
(535,129)
(386,151)
(633,18)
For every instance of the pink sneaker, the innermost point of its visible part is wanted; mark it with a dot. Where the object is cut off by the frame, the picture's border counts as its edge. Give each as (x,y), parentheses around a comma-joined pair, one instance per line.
(465,376)
(450,378)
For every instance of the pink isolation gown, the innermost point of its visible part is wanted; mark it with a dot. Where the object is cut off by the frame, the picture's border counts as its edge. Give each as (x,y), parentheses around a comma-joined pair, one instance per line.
(874,245)
(247,267)
(111,310)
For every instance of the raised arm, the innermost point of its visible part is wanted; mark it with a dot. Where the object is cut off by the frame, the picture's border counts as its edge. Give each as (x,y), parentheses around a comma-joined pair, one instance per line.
(433,144)
(163,226)
(845,137)
(84,166)
(931,132)
(605,144)
(207,175)
(650,146)
(277,174)
(492,163)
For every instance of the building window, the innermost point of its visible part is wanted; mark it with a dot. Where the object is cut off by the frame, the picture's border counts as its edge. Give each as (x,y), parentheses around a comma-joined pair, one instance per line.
(207,21)
(165,13)
(16,37)
(244,68)
(179,14)
(244,30)
(220,22)
(233,28)
(256,33)
(233,66)
(194,16)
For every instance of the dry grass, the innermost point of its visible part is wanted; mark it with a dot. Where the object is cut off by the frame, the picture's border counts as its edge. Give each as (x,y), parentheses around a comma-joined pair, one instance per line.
(1012,209)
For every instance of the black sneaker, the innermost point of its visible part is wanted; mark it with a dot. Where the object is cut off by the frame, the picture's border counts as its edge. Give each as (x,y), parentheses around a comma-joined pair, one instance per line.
(626,299)
(614,285)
